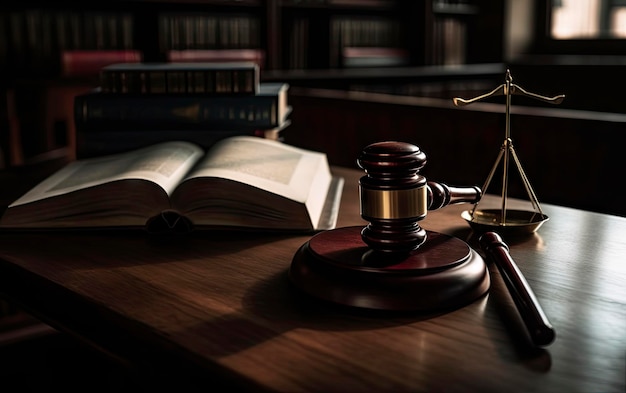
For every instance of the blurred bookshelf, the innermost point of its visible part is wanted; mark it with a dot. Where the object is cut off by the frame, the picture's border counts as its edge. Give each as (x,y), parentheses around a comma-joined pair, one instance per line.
(50,51)
(289,34)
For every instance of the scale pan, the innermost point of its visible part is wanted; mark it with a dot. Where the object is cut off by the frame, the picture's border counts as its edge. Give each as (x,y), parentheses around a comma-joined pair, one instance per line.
(517,222)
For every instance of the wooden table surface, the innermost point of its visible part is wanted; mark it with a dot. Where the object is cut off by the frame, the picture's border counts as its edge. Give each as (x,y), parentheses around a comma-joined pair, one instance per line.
(216,308)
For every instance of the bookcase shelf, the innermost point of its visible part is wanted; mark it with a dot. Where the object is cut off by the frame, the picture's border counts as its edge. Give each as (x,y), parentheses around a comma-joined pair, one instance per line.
(290,34)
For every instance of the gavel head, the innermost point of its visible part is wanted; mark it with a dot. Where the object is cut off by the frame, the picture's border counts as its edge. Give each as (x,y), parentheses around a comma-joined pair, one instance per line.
(394,197)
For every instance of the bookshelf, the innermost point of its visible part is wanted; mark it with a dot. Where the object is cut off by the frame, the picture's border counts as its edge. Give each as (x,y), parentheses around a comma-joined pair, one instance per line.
(289,34)
(349,34)
(56,48)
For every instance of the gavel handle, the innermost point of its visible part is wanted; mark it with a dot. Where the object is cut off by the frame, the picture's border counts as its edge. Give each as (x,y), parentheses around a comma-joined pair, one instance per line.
(440,195)
(537,324)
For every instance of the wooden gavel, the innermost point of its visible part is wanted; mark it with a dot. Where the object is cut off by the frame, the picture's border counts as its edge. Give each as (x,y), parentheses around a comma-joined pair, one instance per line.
(395,197)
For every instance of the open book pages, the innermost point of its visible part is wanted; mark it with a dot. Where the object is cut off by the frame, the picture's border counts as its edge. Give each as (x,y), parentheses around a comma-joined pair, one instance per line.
(241,181)
(165,164)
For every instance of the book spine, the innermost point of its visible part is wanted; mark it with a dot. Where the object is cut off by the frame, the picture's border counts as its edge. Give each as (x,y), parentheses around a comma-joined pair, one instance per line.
(98,143)
(217,55)
(221,81)
(119,111)
(90,62)
(37,37)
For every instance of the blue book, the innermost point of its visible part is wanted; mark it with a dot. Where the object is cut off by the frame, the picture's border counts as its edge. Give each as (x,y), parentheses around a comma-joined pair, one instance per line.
(104,142)
(268,108)
(219,78)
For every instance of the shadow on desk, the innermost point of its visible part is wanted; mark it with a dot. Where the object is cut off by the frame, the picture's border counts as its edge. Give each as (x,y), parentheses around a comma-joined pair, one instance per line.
(51,361)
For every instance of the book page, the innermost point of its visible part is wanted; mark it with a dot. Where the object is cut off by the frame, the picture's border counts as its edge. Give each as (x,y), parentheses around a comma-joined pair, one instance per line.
(269,165)
(164,164)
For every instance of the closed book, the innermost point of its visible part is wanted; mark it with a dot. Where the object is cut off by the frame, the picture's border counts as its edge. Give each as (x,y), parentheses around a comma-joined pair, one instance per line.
(220,78)
(90,62)
(374,57)
(104,142)
(217,55)
(100,111)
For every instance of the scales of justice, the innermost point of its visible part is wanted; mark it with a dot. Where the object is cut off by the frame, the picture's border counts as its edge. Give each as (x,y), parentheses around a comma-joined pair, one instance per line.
(505,220)
(393,264)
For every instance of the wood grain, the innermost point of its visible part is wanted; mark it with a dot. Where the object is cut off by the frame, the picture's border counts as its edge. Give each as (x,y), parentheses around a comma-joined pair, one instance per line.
(218,307)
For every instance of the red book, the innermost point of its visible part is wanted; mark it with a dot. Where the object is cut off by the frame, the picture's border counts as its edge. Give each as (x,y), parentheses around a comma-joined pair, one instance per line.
(90,62)
(374,57)
(217,55)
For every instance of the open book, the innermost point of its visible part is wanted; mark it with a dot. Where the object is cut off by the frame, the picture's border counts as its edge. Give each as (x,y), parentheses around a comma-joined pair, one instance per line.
(240,182)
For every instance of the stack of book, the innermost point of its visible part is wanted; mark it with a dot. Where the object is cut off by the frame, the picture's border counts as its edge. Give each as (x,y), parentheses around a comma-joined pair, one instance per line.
(140,104)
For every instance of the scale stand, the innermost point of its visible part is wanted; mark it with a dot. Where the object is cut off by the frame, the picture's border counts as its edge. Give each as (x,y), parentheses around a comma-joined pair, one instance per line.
(503,220)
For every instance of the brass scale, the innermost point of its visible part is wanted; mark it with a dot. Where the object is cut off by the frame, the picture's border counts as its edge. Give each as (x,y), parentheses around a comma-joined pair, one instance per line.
(511,221)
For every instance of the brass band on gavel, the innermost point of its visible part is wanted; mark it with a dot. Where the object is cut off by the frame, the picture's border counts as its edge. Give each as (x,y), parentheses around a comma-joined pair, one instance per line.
(393,204)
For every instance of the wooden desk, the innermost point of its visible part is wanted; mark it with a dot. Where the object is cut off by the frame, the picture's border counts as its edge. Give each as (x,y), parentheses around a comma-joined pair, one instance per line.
(218,308)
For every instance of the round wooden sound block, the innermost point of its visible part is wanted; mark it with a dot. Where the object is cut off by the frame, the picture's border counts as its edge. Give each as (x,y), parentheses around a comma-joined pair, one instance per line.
(337,266)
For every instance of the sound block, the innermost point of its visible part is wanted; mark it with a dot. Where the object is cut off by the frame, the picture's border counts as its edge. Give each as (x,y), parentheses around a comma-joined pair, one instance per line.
(337,266)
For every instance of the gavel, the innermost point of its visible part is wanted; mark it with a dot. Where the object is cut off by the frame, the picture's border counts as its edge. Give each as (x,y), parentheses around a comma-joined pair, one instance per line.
(393,263)
(395,197)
